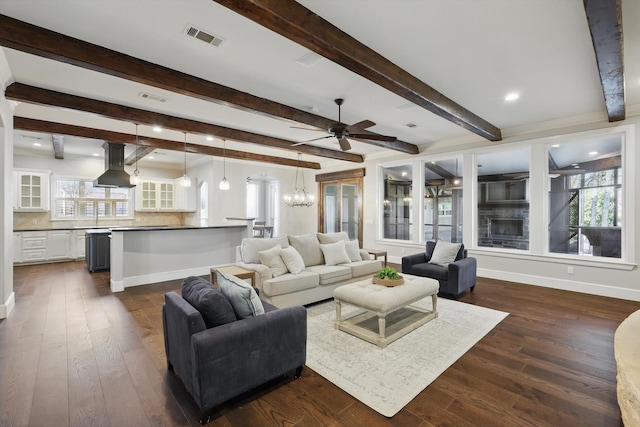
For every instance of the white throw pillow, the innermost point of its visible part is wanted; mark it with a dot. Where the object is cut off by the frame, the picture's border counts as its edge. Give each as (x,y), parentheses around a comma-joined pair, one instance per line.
(250,247)
(325,238)
(353,250)
(292,259)
(444,253)
(335,253)
(272,259)
(241,295)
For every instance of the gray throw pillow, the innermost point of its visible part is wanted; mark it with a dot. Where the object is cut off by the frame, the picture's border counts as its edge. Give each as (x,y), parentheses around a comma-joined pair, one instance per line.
(241,295)
(444,253)
(325,238)
(213,306)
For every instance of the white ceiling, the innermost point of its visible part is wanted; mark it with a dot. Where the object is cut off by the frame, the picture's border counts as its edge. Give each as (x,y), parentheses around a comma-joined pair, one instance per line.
(474,52)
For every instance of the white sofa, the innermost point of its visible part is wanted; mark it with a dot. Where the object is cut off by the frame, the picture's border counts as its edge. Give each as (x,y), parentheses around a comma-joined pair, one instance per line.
(317,280)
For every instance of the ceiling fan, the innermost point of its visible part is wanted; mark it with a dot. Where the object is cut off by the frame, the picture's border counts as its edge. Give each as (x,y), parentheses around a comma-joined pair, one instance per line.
(341,131)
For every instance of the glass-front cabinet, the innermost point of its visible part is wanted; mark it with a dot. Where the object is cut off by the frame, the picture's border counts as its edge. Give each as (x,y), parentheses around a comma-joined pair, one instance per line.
(31,190)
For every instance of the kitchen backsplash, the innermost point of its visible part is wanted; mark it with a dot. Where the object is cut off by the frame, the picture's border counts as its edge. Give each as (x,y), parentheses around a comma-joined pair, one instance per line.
(42,221)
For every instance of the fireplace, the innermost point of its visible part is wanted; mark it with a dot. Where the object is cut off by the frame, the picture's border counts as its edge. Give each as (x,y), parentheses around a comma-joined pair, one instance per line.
(506,227)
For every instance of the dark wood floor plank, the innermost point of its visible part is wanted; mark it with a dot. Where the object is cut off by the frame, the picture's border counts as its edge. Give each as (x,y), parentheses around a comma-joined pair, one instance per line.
(550,362)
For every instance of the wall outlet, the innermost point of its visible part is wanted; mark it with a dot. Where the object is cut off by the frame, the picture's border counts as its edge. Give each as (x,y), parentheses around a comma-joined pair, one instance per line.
(570,269)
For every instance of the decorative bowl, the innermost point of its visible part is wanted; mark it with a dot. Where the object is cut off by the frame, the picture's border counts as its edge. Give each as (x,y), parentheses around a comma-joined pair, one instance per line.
(387,282)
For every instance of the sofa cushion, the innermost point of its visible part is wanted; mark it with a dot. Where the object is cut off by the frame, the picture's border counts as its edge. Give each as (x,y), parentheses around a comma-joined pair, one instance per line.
(444,253)
(331,273)
(308,247)
(213,306)
(249,247)
(325,238)
(292,259)
(353,250)
(364,267)
(335,253)
(426,269)
(272,259)
(290,283)
(241,295)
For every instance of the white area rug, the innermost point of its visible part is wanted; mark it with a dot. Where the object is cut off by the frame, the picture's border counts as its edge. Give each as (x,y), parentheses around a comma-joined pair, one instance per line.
(387,379)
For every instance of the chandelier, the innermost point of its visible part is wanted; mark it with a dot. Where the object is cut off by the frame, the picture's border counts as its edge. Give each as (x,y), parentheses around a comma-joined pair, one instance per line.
(300,196)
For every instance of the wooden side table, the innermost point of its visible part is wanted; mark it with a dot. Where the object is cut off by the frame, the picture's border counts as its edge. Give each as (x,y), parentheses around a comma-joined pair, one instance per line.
(234,270)
(376,253)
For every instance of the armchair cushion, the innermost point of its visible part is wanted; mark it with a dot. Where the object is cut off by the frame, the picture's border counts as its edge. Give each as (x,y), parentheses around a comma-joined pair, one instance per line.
(427,269)
(213,306)
(445,253)
(241,295)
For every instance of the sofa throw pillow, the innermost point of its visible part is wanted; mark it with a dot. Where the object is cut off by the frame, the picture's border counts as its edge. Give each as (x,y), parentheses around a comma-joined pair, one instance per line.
(213,306)
(353,250)
(249,247)
(241,295)
(335,253)
(325,238)
(292,259)
(272,259)
(444,253)
(308,247)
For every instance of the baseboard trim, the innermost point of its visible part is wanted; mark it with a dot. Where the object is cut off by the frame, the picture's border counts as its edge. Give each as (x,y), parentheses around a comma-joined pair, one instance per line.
(567,285)
(7,307)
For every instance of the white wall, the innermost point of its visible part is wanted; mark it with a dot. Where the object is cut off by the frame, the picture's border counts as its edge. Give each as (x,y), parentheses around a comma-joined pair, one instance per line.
(233,203)
(607,279)
(7,296)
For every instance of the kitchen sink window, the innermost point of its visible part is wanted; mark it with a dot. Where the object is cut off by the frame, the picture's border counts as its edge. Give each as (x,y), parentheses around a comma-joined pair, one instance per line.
(79,199)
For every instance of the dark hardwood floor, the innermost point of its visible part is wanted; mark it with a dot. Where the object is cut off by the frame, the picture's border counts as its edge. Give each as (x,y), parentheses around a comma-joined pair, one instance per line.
(73,353)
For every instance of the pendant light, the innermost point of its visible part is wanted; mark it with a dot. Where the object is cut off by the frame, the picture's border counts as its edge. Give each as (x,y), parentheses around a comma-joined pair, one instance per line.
(136,178)
(224,184)
(300,196)
(186,181)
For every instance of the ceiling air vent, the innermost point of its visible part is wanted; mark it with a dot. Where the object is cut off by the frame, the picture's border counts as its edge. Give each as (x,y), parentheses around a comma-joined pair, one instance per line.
(411,125)
(152,97)
(309,59)
(197,33)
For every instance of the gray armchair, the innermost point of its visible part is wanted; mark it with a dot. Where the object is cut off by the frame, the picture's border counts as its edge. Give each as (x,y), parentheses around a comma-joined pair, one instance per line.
(455,278)
(218,363)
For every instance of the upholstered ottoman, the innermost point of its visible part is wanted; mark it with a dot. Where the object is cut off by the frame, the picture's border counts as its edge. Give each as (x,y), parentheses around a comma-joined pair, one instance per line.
(390,306)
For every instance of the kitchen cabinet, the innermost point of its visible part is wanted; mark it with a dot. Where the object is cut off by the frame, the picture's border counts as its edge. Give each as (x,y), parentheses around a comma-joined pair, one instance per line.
(78,239)
(34,246)
(31,191)
(58,245)
(98,249)
(17,248)
(164,195)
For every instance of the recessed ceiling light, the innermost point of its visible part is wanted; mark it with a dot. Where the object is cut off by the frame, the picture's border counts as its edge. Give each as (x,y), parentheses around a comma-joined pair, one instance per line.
(37,144)
(96,154)
(157,129)
(512,96)
(555,145)
(404,173)
(150,157)
(209,138)
(593,153)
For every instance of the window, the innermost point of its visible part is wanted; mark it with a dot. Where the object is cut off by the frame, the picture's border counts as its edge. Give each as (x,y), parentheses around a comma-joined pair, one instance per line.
(340,203)
(204,204)
(585,198)
(503,201)
(262,196)
(443,200)
(398,202)
(79,199)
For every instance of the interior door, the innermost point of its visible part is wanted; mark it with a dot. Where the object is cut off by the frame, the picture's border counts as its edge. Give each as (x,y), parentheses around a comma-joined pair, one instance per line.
(340,206)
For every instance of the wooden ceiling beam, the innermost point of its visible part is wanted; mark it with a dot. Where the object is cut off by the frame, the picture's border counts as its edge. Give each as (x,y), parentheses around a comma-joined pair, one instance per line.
(35,95)
(300,25)
(25,37)
(605,24)
(139,153)
(35,125)
(57,141)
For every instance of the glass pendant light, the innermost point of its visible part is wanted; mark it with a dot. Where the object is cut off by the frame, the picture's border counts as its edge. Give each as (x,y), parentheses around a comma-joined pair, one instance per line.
(186,181)
(136,178)
(224,184)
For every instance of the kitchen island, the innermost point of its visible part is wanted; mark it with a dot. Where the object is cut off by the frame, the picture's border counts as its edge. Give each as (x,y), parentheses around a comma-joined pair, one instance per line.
(145,255)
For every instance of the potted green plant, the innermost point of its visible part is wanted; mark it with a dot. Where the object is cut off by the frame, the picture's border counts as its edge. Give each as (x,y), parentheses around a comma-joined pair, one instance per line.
(388,276)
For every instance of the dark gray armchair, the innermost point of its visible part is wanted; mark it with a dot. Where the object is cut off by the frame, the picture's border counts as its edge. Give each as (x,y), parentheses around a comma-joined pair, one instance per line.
(455,278)
(216,364)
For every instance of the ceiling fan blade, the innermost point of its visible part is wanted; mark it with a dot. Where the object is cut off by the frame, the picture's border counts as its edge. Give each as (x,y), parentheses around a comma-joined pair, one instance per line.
(373,137)
(360,126)
(307,128)
(344,144)
(311,140)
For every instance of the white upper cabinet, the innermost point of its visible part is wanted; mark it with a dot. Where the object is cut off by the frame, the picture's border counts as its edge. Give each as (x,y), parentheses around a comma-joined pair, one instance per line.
(165,195)
(31,190)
